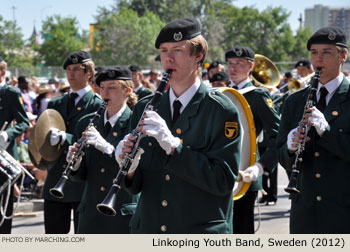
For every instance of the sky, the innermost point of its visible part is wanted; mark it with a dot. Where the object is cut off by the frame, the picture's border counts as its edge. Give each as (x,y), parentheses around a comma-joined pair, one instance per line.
(28,13)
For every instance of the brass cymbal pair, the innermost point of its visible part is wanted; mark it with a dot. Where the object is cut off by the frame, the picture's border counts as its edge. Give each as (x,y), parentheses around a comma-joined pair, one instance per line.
(42,154)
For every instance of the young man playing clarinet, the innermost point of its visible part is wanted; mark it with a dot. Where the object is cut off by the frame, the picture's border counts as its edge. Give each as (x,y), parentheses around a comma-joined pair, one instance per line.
(323,204)
(192,145)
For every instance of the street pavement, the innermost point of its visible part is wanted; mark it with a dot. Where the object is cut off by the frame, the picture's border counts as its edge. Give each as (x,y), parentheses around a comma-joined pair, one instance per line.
(273,219)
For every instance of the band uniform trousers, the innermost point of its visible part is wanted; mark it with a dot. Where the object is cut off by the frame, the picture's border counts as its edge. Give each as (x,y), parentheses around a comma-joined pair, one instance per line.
(267,119)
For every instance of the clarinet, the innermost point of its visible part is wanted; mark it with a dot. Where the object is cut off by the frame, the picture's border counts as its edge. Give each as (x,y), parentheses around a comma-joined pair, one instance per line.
(107,207)
(310,102)
(57,191)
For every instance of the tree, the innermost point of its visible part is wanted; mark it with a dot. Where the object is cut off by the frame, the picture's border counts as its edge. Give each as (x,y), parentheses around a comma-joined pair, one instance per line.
(125,38)
(61,38)
(12,44)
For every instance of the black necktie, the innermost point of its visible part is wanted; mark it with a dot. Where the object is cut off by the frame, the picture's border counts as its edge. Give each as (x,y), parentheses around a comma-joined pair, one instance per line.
(71,101)
(321,105)
(176,105)
(107,129)
(235,87)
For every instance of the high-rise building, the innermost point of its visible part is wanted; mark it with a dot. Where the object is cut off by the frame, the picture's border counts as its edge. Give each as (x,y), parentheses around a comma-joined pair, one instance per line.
(321,16)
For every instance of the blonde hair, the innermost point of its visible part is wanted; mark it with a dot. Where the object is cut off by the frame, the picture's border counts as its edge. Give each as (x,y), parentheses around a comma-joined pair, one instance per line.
(132,99)
(89,66)
(3,66)
(199,45)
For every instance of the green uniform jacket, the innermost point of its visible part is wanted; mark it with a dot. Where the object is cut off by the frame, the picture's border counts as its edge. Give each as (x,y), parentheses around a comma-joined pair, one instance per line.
(267,119)
(190,191)
(11,108)
(323,204)
(98,170)
(143,92)
(87,104)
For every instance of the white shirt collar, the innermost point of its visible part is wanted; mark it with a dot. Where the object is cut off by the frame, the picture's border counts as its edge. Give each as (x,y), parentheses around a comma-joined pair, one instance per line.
(138,88)
(2,84)
(331,87)
(115,117)
(185,98)
(241,84)
(80,92)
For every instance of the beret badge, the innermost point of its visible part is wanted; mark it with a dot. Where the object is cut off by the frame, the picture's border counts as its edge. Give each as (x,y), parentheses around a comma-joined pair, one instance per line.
(332,36)
(238,52)
(111,74)
(75,60)
(177,36)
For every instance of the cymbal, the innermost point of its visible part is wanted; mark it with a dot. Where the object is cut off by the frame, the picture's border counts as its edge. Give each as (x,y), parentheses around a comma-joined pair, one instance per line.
(50,118)
(35,156)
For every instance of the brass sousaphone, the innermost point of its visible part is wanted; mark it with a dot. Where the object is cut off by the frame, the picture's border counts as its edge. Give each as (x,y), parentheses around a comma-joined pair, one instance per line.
(39,142)
(248,143)
(265,72)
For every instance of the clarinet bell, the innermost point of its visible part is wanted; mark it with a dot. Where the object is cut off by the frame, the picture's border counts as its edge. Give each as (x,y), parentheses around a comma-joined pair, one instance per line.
(107,205)
(57,191)
(292,186)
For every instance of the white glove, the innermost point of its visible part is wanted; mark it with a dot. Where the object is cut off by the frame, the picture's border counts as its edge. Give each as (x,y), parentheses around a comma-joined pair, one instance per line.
(93,137)
(252,172)
(119,152)
(57,136)
(4,137)
(290,141)
(156,127)
(71,152)
(318,121)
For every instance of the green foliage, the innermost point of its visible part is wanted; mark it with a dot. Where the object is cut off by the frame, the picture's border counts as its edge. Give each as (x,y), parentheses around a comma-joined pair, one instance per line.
(125,38)
(12,43)
(126,31)
(61,38)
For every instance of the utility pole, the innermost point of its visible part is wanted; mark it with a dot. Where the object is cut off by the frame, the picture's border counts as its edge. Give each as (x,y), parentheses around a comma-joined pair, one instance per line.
(13,13)
(300,19)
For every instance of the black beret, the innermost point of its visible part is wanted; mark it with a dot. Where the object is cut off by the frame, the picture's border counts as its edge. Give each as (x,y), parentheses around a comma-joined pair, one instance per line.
(214,64)
(303,62)
(240,52)
(220,76)
(178,30)
(77,58)
(328,35)
(98,70)
(22,79)
(134,68)
(53,80)
(113,73)
(287,74)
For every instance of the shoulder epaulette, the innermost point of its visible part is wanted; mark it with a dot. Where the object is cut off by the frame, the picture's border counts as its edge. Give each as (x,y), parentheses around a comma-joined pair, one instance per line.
(220,98)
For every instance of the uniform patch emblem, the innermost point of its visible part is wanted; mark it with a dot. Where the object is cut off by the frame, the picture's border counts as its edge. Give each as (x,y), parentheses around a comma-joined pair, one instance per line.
(177,36)
(231,130)
(269,102)
(20,100)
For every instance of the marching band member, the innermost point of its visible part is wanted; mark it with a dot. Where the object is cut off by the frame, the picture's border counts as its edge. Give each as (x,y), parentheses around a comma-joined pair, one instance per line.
(322,206)
(11,108)
(304,68)
(139,89)
(99,166)
(240,61)
(192,152)
(72,106)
